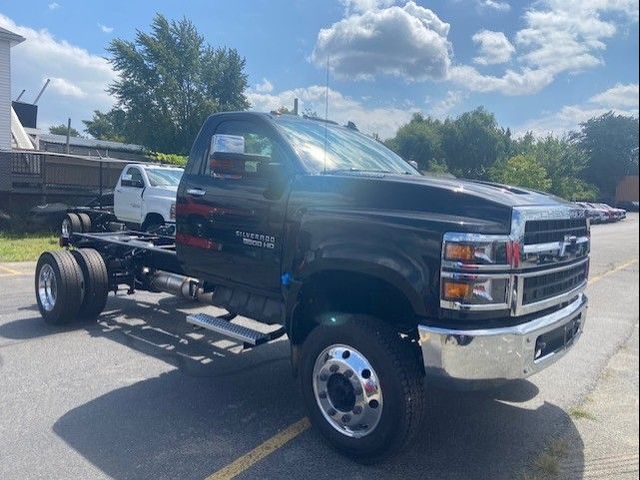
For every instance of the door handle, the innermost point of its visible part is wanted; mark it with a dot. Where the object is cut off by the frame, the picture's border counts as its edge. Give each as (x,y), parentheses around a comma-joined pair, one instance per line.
(196,192)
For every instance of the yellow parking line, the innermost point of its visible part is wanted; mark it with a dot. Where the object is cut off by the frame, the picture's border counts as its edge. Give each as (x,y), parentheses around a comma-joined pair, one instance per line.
(597,278)
(281,438)
(261,451)
(10,270)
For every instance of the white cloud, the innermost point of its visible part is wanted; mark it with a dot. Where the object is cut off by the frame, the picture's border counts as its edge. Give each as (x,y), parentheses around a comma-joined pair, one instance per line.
(494,48)
(498,5)
(264,87)
(78,78)
(408,42)
(621,99)
(524,82)
(559,36)
(105,29)
(54,6)
(66,88)
(381,120)
(353,6)
(452,99)
(619,96)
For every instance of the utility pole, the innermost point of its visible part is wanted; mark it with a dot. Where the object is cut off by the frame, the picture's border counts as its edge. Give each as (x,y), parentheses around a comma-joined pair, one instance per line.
(68,134)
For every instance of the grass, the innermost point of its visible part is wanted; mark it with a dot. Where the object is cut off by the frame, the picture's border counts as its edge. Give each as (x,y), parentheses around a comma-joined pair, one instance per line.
(549,464)
(27,247)
(579,412)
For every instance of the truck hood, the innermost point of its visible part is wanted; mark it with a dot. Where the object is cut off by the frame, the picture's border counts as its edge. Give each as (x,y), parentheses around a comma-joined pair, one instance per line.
(468,205)
(163,192)
(493,192)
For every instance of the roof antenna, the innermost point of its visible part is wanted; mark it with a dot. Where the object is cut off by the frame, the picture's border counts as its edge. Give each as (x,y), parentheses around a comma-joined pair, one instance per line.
(326,115)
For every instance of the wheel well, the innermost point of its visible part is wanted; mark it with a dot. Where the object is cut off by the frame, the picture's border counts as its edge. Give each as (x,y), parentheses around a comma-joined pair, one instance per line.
(153,216)
(332,292)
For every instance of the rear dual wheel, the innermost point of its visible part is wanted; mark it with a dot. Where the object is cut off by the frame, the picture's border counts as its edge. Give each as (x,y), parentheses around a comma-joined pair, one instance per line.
(96,282)
(75,223)
(70,286)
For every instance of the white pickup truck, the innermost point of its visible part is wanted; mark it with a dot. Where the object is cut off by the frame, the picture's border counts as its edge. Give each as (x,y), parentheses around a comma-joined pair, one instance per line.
(145,195)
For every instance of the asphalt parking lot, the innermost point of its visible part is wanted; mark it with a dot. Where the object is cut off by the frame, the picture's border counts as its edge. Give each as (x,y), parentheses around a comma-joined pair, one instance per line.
(140,394)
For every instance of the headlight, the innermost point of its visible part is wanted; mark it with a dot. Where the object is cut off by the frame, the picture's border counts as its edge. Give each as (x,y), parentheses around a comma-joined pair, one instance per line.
(467,251)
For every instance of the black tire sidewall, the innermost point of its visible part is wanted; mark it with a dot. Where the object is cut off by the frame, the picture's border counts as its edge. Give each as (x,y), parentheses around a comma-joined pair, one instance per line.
(74,223)
(96,282)
(384,438)
(85,222)
(69,290)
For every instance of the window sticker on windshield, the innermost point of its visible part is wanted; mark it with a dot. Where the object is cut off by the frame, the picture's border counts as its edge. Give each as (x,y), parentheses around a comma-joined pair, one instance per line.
(227,143)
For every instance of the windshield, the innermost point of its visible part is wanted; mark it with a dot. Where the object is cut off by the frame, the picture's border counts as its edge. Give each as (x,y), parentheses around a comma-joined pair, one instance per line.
(346,149)
(164,177)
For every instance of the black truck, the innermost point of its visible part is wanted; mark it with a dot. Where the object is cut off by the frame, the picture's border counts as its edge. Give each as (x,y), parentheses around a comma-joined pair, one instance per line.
(382,279)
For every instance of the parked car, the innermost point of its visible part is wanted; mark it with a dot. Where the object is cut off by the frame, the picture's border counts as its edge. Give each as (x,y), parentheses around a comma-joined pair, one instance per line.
(145,195)
(595,214)
(615,214)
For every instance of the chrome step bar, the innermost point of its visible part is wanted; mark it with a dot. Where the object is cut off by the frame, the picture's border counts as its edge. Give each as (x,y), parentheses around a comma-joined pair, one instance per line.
(248,336)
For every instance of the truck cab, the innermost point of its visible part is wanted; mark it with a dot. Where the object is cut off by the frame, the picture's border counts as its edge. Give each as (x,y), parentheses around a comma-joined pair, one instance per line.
(145,195)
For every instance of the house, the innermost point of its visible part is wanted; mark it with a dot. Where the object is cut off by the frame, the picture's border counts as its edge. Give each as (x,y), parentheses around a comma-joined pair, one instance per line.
(7,40)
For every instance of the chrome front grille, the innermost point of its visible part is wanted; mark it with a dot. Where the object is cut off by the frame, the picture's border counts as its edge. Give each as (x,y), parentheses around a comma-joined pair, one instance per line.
(554,257)
(549,231)
(550,285)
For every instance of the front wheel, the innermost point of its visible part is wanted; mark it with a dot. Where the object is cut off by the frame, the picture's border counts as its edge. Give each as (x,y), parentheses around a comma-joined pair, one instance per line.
(362,385)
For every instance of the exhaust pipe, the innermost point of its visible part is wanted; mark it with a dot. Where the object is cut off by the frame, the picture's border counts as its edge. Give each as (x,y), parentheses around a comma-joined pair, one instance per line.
(181,286)
(174,284)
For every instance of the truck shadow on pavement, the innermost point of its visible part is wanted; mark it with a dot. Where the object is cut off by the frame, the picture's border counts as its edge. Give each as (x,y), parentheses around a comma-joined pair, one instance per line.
(218,404)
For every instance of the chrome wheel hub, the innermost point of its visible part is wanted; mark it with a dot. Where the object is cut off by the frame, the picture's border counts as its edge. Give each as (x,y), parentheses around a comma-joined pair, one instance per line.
(66,228)
(47,288)
(347,390)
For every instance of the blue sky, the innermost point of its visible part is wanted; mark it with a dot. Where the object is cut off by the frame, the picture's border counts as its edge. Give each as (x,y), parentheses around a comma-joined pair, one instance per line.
(542,66)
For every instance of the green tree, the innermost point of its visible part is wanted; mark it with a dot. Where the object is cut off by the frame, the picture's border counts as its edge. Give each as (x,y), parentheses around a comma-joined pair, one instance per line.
(62,130)
(522,171)
(473,142)
(610,142)
(169,81)
(419,141)
(564,162)
(107,126)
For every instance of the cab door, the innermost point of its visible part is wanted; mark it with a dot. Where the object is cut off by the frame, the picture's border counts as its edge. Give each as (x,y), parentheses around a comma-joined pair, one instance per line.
(129,192)
(230,219)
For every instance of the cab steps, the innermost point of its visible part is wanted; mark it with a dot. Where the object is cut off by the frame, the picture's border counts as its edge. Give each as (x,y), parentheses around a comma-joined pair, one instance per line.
(249,337)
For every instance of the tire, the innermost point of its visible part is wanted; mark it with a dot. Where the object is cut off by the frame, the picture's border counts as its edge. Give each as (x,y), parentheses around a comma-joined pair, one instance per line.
(397,371)
(85,222)
(71,224)
(96,282)
(59,287)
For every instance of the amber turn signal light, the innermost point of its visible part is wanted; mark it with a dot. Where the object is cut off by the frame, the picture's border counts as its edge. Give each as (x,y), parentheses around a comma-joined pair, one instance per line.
(456,290)
(459,252)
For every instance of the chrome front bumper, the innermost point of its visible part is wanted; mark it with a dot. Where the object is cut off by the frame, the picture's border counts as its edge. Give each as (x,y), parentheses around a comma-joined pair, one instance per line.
(476,358)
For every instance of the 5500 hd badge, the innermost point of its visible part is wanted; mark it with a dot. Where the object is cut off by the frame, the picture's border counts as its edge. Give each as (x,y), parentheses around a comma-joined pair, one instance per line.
(257,239)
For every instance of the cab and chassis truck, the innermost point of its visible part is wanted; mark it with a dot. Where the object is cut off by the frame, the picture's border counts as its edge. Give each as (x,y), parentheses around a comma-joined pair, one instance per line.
(383,280)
